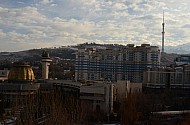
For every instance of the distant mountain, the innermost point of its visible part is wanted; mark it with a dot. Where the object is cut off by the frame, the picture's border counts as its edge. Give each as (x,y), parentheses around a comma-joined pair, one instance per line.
(181,49)
(168,58)
(35,54)
(68,53)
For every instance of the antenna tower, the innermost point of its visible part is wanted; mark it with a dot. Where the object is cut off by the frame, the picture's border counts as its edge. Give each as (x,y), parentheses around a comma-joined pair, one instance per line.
(163,33)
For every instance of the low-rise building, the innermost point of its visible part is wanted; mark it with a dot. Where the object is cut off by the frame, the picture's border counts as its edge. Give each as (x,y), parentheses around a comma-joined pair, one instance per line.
(4,75)
(167,77)
(98,96)
(123,88)
(181,60)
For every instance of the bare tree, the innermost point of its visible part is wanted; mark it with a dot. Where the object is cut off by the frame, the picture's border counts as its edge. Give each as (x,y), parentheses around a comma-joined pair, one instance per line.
(128,110)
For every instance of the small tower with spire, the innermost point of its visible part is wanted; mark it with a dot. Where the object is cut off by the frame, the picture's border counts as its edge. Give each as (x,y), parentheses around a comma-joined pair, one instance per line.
(163,33)
(45,64)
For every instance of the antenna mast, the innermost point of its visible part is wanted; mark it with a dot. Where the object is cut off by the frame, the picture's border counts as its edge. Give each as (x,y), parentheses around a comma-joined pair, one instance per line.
(163,33)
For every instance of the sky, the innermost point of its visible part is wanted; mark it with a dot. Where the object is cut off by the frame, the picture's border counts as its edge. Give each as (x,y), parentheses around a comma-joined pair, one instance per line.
(31,24)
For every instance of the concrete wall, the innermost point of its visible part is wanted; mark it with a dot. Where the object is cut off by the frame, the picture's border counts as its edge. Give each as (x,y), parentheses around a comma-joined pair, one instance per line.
(99,94)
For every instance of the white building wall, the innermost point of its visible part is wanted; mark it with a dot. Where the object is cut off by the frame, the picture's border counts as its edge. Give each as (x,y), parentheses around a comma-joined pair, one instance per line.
(100,94)
(134,87)
(121,89)
(45,68)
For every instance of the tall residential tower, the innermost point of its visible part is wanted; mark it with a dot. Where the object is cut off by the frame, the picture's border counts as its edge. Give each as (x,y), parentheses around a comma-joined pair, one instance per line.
(120,63)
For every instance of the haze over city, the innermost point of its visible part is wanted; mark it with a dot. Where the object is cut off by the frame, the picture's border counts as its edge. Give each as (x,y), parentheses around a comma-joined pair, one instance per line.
(28,24)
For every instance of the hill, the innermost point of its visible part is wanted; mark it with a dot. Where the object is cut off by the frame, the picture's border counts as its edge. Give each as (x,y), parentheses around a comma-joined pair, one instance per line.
(67,53)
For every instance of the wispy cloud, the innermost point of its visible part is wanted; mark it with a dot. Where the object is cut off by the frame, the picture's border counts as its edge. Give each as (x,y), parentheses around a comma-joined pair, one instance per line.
(41,23)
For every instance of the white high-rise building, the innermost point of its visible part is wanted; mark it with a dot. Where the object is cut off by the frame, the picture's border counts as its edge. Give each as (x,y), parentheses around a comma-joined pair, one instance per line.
(122,63)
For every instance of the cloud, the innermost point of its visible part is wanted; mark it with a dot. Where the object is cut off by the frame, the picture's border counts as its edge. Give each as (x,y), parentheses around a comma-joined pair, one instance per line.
(46,1)
(119,6)
(186,26)
(135,1)
(62,22)
(2,34)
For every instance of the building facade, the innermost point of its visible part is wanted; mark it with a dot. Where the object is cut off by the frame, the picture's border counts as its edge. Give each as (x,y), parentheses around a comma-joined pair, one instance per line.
(97,96)
(4,75)
(122,63)
(167,77)
(181,60)
(45,64)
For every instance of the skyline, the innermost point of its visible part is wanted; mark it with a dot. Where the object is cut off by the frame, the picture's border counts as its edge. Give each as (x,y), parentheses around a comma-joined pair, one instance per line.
(29,24)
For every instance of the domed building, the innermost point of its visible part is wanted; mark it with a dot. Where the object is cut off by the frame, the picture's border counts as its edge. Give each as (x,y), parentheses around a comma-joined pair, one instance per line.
(20,82)
(21,73)
(19,92)
(33,98)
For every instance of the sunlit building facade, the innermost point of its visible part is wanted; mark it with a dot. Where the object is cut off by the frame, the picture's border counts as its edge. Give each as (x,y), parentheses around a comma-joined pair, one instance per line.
(167,77)
(122,63)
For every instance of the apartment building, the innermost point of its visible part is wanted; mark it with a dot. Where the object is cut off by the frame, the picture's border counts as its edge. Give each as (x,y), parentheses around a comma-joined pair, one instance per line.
(183,59)
(136,59)
(168,77)
(121,63)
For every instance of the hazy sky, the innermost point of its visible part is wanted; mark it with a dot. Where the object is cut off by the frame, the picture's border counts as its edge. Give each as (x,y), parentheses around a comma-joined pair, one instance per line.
(27,24)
